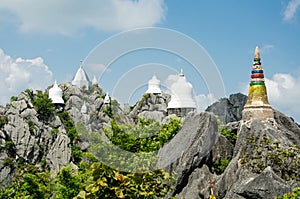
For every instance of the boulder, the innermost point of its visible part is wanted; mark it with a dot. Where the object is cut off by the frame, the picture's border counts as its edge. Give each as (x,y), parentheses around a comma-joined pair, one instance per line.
(198,186)
(185,152)
(266,185)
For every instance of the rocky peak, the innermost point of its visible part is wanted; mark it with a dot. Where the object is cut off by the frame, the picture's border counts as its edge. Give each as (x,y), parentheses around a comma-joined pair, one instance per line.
(229,109)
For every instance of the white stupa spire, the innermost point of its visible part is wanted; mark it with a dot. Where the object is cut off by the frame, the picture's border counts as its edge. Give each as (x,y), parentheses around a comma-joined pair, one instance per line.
(153,85)
(55,94)
(81,78)
(94,81)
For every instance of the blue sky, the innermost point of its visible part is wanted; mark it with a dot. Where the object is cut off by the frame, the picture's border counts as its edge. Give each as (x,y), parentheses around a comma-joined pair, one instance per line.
(44,40)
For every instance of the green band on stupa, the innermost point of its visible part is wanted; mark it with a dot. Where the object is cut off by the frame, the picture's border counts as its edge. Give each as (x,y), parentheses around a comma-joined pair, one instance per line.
(257,83)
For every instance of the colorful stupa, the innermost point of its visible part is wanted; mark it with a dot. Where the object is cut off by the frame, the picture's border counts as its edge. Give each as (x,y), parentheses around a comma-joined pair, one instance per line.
(257,105)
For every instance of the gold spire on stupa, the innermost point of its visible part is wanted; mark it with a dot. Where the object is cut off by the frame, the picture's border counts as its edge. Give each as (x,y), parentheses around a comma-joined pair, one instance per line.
(257,105)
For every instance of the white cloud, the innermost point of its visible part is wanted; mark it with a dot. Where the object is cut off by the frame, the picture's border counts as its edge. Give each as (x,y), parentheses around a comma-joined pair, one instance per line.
(67,17)
(283,94)
(95,68)
(203,101)
(291,9)
(19,74)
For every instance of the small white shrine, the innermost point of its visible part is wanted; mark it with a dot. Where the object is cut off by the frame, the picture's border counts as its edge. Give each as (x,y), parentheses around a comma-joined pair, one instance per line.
(153,85)
(55,94)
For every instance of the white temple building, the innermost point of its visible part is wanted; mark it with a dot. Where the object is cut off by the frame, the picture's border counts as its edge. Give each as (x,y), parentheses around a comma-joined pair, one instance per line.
(182,97)
(55,94)
(81,78)
(83,108)
(106,99)
(153,85)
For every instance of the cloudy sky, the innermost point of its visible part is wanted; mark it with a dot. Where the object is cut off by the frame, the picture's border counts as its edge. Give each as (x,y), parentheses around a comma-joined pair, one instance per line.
(41,41)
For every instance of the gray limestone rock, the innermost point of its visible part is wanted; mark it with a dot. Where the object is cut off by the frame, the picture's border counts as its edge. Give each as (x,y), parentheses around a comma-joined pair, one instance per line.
(189,146)
(229,110)
(59,154)
(156,115)
(266,185)
(152,102)
(198,186)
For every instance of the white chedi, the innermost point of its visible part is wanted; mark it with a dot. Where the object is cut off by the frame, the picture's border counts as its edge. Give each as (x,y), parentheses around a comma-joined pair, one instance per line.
(106,99)
(83,108)
(94,81)
(55,94)
(153,85)
(81,79)
(182,94)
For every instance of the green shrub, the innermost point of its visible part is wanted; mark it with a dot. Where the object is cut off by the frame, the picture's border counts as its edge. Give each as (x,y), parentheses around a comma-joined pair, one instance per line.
(13,98)
(68,183)
(54,130)
(146,136)
(43,105)
(230,135)
(76,153)
(31,126)
(3,120)
(110,183)
(8,161)
(220,165)
(68,123)
(9,145)
(292,195)
(265,152)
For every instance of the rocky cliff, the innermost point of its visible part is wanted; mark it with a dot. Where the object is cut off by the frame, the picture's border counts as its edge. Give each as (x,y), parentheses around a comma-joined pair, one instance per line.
(213,151)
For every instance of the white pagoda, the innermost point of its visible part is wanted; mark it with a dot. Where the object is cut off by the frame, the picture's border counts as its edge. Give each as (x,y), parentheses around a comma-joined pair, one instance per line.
(81,79)
(153,86)
(182,98)
(55,94)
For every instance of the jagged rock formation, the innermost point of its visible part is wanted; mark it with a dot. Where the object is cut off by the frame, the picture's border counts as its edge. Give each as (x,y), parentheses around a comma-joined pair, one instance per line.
(189,147)
(26,138)
(242,178)
(192,153)
(151,106)
(229,110)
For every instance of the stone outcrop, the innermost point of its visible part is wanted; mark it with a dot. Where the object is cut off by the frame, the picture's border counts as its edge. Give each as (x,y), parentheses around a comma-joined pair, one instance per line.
(188,148)
(191,153)
(27,139)
(151,106)
(194,168)
(229,109)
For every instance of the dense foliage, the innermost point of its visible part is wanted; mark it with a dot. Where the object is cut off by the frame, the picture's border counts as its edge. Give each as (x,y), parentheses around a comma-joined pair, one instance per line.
(230,135)
(92,178)
(292,195)
(219,166)
(284,161)
(145,136)
(43,105)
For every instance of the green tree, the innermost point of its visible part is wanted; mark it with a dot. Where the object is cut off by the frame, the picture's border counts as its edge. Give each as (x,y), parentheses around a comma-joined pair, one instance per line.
(68,183)
(43,105)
